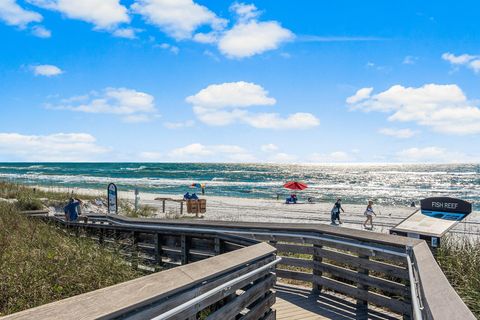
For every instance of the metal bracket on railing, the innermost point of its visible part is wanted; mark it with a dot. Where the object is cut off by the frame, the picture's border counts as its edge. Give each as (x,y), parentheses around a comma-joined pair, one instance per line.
(417,305)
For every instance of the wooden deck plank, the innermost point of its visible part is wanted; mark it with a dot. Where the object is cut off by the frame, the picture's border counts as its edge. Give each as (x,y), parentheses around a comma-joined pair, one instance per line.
(296,302)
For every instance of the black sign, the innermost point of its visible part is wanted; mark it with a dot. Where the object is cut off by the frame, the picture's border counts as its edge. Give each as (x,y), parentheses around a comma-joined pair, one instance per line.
(446,208)
(112,198)
(446,204)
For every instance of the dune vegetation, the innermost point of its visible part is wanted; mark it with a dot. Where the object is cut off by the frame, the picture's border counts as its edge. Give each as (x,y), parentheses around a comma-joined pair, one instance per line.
(460,261)
(40,263)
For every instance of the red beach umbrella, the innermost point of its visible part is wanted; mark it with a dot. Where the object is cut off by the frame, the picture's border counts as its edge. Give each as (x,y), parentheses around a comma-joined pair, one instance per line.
(294,185)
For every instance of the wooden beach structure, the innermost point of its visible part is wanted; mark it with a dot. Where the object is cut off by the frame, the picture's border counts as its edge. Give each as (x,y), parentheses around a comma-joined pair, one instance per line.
(240,270)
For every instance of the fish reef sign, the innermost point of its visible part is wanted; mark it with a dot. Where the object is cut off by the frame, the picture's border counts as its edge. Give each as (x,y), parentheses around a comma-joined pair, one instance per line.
(446,208)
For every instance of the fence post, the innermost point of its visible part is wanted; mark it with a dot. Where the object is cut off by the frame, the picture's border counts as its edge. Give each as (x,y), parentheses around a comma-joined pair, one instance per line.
(134,250)
(158,251)
(100,236)
(317,273)
(362,305)
(218,246)
(185,245)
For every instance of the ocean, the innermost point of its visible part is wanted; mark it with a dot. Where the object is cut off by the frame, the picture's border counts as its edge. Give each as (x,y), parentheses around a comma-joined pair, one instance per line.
(389,184)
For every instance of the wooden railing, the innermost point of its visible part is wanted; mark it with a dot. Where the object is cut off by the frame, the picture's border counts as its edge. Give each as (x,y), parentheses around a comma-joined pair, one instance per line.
(203,262)
(438,299)
(370,267)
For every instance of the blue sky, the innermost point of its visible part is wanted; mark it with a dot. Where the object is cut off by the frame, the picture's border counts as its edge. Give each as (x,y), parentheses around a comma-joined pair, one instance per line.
(262,81)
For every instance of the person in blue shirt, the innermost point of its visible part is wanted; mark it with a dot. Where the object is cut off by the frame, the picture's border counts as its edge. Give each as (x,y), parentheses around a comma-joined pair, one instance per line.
(71,209)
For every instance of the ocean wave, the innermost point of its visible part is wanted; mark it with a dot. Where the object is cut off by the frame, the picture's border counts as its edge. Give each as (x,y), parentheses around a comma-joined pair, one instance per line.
(141,182)
(428,173)
(134,169)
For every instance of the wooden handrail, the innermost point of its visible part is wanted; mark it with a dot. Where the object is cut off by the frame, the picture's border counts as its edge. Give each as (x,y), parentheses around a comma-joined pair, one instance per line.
(440,301)
(353,234)
(432,282)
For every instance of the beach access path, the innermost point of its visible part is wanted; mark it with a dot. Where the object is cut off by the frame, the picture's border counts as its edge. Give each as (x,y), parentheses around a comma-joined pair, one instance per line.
(272,210)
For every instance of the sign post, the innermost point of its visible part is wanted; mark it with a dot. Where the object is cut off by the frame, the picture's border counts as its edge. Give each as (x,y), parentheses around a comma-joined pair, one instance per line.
(112,198)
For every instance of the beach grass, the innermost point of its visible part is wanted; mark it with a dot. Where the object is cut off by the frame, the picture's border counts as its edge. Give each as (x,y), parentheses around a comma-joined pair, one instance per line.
(143,211)
(31,198)
(40,263)
(460,261)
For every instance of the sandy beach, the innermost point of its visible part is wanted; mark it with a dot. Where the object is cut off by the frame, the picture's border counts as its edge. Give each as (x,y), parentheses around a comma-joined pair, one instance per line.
(272,210)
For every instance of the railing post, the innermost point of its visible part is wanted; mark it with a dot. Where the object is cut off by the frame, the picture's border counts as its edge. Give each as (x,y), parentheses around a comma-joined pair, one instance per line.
(134,250)
(362,305)
(317,273)
(218,246)
(158,251)
(185,248)
(100,236)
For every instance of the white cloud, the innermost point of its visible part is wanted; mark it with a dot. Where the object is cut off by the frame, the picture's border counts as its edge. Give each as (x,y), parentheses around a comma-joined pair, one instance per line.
(249,37)
(46,70)
(231,95)
(410,60)
(104,14)
(374,66)
(197,151)
(131,105)
(282,157)
(54,147)
(41,32)
(12,14)
(178,18)
(360,95)
(470,61)
(269,147)
(333,157)
(127,33)
(227,103)
(299,120)
(432,154)
(179,125)
(461,59)
(397,133)
(166,46)
(209,37)
(444,108)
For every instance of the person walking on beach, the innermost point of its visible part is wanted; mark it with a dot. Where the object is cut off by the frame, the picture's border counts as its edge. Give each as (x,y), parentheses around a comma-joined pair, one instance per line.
(71,209)
(336,211)
(369,214)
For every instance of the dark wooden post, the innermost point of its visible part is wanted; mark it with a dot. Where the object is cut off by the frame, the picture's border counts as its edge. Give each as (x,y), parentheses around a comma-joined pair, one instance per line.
(362,305)
(101,235)
(218,246)
(158,251)
(134,250)
(163,206)
(317,273)
(185,246)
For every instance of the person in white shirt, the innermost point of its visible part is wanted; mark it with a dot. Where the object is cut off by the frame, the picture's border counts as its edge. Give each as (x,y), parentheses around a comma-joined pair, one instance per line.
(369,213)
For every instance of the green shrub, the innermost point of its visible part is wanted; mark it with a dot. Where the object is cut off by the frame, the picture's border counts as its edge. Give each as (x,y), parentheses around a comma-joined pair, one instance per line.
(28,203)
(127,209)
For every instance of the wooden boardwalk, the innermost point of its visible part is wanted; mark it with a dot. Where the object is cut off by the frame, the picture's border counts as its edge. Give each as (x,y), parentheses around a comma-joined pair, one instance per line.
(297,303)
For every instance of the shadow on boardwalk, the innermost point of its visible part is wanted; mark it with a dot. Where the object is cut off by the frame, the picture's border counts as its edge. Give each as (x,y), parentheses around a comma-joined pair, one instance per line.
(294,302)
